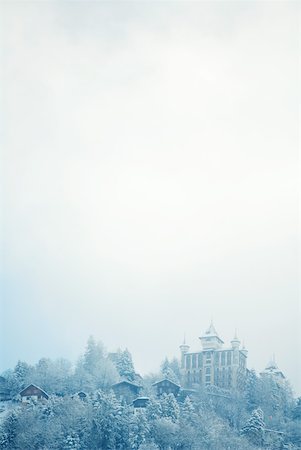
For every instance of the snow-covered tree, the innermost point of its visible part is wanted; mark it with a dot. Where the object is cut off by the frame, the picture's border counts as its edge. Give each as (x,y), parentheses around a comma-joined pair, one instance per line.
(139,430)
(9,431)
(124,365)
(253,430)
(169,407)
(297,409)
(251,390)
(168,372)
(93,356)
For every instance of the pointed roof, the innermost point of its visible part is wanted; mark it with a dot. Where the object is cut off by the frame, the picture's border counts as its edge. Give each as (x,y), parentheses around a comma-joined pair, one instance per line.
(211,332)
(164,380)
(272,363)
(25,392)
(272,368)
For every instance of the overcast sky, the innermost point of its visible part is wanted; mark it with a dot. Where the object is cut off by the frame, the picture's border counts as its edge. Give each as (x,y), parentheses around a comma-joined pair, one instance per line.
(149,178)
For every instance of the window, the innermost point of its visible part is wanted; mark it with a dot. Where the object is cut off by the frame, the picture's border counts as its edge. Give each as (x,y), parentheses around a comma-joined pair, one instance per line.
(200,359)
(229,358)
(208,358)
(194,361)
(223,358)
(188,361)
(208,371)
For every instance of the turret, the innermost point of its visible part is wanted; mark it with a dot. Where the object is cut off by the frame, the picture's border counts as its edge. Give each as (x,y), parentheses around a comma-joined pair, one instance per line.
(273,370)
(235,342)
(184,349)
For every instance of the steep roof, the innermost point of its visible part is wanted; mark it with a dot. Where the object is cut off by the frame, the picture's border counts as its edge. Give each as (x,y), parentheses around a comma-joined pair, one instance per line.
(126,382)
(166,379)
(23,392)
(211,332)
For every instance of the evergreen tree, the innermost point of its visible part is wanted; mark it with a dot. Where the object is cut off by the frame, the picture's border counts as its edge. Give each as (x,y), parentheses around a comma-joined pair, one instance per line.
(251,391)
(93,356)
(124,365)
(187,412)
(168,372)
(153,410)
(170,408)
(72,442)
(139,430)
(22,373)
(9,431)
(253,430)
(297,410)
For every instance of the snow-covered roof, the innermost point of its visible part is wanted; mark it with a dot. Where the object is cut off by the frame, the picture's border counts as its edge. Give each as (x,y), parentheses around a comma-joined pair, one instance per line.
(166,379)
(211,332)
(126,382)
(22,393)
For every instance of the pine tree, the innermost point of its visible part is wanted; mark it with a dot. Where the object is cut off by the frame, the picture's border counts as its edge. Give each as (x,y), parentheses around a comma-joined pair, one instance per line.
(93,356)
(168,372)
(170,407)
(187,412)
(297,410)
(21,372)
(124,365)
(252,390)
(253,430)
(139,430)
(9,431)
(72,442)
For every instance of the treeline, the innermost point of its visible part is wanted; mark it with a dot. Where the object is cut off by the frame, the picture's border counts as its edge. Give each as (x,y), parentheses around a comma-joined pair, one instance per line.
(265,415)
(93,370)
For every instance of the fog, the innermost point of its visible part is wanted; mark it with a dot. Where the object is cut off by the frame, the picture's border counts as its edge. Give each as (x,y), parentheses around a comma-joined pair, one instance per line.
(149,178)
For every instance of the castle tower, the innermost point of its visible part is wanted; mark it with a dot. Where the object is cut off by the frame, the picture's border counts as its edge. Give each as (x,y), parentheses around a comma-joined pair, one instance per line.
(210,339)
(235,343)
(273,371)
(184,349)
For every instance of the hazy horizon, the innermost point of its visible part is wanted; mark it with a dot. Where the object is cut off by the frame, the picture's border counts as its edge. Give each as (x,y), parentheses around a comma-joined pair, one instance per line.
(149,179)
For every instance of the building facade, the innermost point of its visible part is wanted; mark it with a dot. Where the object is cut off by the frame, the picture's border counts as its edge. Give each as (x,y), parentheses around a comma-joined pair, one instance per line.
(214,364)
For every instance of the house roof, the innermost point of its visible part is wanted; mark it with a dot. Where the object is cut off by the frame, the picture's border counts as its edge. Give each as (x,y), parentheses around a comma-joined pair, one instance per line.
(34,386)
(166,379)
(126,382)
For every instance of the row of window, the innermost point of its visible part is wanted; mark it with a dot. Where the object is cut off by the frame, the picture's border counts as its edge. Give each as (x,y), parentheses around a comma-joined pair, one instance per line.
(222,377)
(197,360)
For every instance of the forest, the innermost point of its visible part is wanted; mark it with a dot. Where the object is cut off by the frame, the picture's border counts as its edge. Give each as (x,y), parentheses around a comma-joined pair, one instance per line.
(266,415)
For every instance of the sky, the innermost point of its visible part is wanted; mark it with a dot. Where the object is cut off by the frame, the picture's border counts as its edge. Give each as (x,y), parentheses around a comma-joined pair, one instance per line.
(149,178)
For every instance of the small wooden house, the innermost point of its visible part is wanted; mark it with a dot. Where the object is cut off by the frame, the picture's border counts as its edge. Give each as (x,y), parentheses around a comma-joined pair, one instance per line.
(33,393)
(126,390)
(166,386)
(140,402)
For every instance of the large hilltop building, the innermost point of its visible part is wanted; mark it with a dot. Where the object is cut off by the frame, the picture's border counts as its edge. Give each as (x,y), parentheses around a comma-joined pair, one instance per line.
(214,364)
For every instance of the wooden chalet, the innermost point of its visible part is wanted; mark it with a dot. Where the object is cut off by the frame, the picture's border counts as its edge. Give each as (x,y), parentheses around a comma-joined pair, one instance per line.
(33,393)
(126,390)
(166,386)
